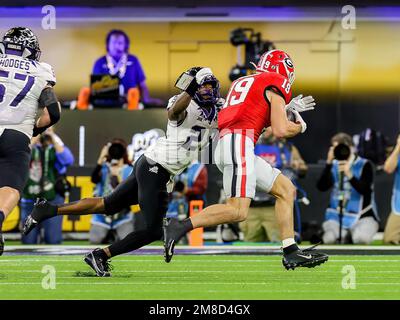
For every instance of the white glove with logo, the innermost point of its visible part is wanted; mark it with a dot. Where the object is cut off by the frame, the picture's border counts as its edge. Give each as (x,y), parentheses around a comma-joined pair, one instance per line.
(301,104)
(299,119)
(203,73)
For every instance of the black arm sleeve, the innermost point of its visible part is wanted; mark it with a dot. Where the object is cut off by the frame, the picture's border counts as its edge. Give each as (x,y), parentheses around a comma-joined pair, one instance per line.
(363,185)
(325,181)
(54,113)
(48,99)
(96,174)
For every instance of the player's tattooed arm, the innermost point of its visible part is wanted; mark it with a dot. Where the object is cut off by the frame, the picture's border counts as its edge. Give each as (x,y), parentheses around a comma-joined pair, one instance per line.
(47,97)
(177,111)
(51,112)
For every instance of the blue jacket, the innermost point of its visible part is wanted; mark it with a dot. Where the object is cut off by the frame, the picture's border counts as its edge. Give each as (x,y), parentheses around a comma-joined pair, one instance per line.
(353,200)
(104,188)
(396,191)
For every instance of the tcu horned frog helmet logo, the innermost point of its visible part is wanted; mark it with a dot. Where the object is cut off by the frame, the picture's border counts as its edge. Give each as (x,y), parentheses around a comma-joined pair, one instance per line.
(277,61)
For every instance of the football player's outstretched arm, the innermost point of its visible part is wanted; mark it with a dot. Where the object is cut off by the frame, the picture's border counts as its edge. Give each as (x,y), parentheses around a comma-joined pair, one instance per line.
(280,124)
(51,112)
(179,106)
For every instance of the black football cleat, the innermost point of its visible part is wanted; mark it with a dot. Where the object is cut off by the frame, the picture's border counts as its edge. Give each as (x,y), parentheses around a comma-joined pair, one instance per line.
(1,243)
(173,231)
(308,258)
(101,266)
(42,210)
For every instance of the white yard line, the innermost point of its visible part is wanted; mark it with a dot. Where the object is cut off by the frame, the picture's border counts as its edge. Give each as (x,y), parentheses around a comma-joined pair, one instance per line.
(211,247)
(78,259)
(202,271)
(192,283)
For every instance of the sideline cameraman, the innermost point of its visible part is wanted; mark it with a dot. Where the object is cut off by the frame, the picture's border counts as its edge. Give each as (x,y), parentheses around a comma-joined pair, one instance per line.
(50,159)
(352,179)
(113,166)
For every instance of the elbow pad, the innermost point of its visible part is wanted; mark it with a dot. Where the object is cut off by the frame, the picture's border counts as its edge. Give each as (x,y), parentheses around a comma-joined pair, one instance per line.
(37,131)
(54,112)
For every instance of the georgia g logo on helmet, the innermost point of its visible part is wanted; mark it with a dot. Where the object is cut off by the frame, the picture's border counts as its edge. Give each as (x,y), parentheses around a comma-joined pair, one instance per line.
(289,63)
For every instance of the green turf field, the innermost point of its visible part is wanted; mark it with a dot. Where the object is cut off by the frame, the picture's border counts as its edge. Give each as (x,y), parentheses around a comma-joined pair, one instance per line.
(199,277)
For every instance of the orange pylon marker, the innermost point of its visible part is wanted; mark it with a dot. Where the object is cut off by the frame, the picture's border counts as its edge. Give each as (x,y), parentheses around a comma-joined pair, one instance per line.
(196,235)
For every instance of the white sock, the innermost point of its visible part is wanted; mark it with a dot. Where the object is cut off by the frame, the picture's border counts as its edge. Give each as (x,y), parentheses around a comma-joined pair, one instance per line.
(288,242)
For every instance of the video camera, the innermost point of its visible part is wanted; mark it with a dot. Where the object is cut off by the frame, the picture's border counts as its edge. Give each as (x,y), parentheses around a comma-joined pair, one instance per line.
(254,48)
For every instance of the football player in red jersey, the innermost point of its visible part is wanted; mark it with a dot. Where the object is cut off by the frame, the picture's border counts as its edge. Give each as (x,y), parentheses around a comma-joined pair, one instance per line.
(255,102)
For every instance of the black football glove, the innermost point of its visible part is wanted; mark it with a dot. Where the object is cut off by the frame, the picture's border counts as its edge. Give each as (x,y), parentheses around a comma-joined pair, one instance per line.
(189,81)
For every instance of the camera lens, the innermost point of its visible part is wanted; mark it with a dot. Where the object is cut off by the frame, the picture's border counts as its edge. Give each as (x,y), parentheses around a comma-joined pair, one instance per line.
(341,152)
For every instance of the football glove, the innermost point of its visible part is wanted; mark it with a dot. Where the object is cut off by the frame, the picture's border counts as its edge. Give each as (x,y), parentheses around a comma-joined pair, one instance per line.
(190,82)
(187,82)
(301,104)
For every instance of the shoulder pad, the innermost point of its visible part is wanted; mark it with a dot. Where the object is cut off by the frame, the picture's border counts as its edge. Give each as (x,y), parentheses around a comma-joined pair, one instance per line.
(47,73)
(278,84)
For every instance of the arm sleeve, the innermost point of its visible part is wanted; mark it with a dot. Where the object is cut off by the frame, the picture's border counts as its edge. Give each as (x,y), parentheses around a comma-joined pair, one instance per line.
(96,174)
(325,181)
(200,185)
(66,158)
(363,185)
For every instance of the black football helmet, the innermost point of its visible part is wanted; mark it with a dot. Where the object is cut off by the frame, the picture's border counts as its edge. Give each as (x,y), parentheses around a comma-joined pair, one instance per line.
(21,41)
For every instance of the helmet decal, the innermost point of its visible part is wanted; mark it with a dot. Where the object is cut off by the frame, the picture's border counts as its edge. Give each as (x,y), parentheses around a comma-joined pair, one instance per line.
(21,41)
(277,61)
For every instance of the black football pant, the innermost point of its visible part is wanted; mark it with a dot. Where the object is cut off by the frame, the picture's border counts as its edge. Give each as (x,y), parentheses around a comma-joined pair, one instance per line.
(145,186)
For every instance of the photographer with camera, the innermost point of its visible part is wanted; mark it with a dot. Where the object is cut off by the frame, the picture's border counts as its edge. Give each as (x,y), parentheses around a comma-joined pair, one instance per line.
(113,166)
(50,159)
(352,202)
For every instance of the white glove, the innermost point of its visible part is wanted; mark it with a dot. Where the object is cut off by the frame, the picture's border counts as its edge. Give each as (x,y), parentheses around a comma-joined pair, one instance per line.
(202,74)
(301,104)
(299,119)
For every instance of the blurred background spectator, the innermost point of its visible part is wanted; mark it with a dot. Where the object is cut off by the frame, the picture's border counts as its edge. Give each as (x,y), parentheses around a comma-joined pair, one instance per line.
(392,165)
(117,78)
(47,179)
(261,225)
(352,180)
(113,166)
(190,185)
(195,179)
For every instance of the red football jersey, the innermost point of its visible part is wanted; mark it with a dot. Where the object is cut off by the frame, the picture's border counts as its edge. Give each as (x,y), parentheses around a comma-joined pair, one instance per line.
(246,106)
